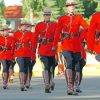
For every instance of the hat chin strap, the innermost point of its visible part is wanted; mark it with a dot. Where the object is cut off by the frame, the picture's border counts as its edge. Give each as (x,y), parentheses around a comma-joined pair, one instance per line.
(47,21)
(71,13)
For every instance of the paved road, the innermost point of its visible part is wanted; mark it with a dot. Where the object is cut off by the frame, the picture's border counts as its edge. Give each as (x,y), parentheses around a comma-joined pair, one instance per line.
(90,87)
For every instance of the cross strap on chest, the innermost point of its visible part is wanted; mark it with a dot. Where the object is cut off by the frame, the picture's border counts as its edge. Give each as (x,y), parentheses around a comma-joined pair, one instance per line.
(43,39)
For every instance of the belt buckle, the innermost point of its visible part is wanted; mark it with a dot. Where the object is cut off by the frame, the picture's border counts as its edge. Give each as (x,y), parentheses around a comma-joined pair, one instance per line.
(44,40)
(67,36)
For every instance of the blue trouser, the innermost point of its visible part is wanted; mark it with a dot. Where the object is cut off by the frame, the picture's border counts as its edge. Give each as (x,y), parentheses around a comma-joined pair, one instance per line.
(6,65)
(30,66)
(72,60)
(23,63)
(97,57)
(82,64)
(48,62)
(13,62)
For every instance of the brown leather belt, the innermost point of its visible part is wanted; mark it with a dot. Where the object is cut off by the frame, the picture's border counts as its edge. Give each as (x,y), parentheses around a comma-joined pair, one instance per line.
(19,45)
(50,40)
(5,49)
(44,40)
(66,35)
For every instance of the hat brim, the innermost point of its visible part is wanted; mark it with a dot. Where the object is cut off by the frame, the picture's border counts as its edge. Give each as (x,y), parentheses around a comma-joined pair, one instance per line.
(31,25)
(5,29)
(27,24)
(23,24)
(73,4)
(46,13)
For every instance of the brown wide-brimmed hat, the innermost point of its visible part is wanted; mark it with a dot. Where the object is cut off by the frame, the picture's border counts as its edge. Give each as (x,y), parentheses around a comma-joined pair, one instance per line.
(71,3)
(5,27)
(25,22)
(30,24)
(47,10)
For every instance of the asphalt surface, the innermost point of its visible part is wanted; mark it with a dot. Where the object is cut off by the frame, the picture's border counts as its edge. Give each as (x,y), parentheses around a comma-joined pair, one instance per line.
(90,87)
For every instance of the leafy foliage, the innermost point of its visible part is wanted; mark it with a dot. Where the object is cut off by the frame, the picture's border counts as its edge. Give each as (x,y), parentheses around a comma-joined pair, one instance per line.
(90,7)
(1,8)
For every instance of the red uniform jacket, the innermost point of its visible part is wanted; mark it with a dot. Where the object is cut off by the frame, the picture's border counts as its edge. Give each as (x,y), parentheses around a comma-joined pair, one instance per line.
(6,48)
(45,30)
(91,38)
(23,44)
(70,24)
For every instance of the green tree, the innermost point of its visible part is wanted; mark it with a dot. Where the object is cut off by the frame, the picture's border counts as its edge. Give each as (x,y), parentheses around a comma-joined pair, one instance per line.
(60,4)
(79,8)
(57,7)
(86,7)
(1,8)
(35,5)
(1,11)
(98,7)
(90,7)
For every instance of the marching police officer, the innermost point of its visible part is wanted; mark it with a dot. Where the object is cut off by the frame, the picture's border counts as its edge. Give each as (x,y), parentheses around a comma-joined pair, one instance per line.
(68,26)
(44,33)
(6,53)
(23,52)
(93,37)
(33,58)
(82,62)
(13,62)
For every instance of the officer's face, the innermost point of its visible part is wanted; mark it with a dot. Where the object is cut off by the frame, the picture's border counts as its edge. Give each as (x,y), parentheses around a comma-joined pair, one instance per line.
(47,17)
(29,27)
(6,32)
(70,9)
(23,27)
